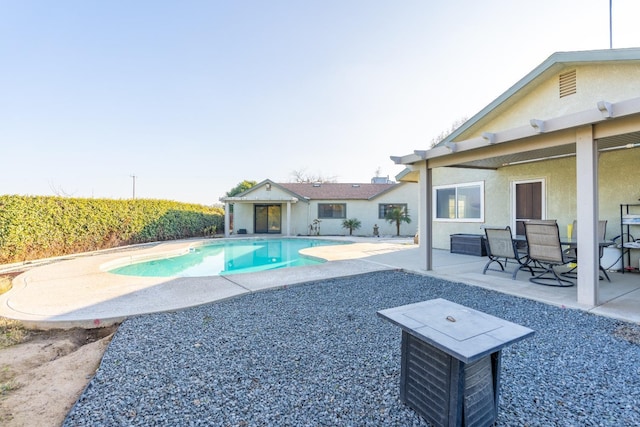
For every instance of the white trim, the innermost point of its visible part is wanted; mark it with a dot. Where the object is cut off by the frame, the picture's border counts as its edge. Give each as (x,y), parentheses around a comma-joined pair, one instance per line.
(543,190)
(456,187)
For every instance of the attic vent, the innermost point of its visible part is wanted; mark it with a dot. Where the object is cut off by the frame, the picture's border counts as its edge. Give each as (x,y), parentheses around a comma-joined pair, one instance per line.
(567,84)
(316,184)
(355,185)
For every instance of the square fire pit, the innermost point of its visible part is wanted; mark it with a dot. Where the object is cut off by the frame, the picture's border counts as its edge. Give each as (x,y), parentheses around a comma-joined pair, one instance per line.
(450,367)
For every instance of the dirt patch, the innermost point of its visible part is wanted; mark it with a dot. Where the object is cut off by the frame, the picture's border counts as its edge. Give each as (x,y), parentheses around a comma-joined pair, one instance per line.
(43,377)
(42,373)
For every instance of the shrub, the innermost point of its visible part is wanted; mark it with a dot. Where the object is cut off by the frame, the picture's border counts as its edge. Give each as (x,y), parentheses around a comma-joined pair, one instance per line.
(351,224)
(33,227)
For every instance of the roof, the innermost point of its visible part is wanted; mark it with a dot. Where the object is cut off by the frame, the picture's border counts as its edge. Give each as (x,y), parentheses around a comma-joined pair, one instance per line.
(556,138)
(551,65)
(337,191)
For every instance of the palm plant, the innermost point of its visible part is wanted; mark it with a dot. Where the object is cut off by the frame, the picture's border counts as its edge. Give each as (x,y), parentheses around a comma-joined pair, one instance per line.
(397,216)
(351,224)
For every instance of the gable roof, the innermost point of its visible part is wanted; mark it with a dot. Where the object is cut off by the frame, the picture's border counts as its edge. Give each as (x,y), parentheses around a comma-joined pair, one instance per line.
(319,191)
(337,191)
(615,123)
(552,65)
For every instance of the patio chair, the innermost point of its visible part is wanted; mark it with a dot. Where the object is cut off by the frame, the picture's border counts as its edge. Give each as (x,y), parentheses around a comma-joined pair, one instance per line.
(544,248)
(572,252)
(501,248)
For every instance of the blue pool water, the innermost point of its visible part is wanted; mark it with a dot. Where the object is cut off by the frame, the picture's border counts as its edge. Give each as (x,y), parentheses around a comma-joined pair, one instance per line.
(229,257)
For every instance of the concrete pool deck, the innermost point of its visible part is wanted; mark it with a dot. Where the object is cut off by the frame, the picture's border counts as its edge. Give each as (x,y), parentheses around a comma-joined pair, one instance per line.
(78,292)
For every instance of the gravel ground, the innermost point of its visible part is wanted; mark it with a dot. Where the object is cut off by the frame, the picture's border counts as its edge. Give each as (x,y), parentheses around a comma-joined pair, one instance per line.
(318,355)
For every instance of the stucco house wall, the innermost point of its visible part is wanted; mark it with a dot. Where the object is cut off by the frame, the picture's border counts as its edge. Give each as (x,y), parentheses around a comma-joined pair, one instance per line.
(366,211)
(305,211)
(594,82)
(243,211)
(617,183)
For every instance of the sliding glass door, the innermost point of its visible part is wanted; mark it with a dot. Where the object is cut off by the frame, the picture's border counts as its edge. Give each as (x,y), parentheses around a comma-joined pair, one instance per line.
(268,219)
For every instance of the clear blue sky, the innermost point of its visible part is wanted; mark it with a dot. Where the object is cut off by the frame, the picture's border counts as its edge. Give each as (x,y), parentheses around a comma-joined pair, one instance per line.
(193,97)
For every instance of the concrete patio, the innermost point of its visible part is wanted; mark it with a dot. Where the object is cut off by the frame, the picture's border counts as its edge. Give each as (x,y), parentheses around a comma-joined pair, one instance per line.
(76,291)
(619,298)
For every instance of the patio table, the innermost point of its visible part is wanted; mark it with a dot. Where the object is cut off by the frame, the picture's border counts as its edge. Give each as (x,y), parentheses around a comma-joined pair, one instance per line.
(567,241)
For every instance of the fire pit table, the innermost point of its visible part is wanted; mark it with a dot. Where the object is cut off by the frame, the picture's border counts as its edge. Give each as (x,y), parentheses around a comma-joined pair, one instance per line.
(450,366)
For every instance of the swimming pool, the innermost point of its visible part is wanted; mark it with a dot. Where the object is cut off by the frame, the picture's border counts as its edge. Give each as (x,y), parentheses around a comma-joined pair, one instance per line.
(229,257)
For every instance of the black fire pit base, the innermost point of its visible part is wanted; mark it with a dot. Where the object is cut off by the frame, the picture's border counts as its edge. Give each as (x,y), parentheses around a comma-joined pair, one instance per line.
(450,369)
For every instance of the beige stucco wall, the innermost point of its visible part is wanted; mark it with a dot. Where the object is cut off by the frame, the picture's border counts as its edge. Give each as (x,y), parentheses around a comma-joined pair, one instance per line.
(243,211)
(618,178)
(366,211)
(595,82)
(303,213)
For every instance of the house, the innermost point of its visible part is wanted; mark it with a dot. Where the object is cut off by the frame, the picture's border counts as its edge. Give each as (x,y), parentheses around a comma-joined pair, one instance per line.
(320,208)
(562,143)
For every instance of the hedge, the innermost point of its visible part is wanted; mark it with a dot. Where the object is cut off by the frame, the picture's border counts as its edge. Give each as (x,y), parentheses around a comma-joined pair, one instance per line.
(34,227)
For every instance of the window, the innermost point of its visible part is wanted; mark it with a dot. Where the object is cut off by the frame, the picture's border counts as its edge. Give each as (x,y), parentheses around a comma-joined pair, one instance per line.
(332,210)
(383,209)
(461,202)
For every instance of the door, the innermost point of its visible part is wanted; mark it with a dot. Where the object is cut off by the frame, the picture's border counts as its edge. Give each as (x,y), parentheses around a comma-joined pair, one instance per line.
(528,203)
(268,219)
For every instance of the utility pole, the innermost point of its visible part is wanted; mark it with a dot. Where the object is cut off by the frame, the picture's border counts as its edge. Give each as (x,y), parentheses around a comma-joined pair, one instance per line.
(134,185)
(610,25)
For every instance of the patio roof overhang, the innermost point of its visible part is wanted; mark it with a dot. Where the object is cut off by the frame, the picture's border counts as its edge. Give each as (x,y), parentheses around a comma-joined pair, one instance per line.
(615,126)
(607,126)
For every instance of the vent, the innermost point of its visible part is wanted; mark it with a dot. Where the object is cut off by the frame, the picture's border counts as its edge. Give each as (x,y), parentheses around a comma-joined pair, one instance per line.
(567,83)
(316,184)
(355,185)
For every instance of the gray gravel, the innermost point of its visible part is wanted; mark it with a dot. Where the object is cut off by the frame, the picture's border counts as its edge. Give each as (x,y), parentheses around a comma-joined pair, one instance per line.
(318,355)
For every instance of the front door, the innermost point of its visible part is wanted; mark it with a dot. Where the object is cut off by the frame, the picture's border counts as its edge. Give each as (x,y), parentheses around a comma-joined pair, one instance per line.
(268,219)
(528,202)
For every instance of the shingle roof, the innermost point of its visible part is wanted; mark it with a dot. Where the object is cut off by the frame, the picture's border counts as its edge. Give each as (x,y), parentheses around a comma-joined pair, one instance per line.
(337,191)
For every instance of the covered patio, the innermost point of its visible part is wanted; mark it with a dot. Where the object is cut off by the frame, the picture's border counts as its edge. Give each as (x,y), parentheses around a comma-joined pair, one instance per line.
(605,127)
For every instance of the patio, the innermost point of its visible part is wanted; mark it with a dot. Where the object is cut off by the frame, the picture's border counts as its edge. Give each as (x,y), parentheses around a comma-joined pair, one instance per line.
(619,298)
(57,294)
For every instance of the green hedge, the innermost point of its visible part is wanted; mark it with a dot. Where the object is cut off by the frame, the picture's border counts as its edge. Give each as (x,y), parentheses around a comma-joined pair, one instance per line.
(33,227)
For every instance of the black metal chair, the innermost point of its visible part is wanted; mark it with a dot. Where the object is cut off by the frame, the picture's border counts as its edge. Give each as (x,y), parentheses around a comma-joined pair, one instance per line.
(544,248)
(501,248)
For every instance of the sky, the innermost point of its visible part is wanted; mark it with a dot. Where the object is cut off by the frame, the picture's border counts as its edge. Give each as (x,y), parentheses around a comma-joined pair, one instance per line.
(183,100)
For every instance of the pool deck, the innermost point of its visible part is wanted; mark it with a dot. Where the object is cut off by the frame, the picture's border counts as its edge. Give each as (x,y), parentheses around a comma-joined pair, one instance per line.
(78,292)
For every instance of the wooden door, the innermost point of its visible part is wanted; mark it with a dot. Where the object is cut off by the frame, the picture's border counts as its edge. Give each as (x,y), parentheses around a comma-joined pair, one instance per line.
(529,203)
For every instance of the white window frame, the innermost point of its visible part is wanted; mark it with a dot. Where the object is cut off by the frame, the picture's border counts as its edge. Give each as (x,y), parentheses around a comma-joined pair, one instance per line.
(456,187)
